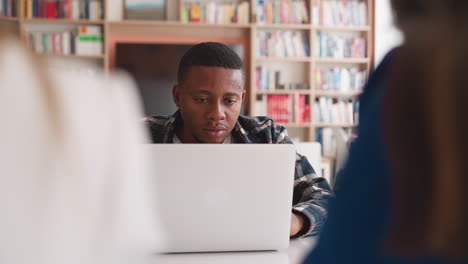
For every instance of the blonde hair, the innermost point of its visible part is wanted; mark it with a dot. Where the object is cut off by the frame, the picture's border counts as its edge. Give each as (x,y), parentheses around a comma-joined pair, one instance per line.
(46,87)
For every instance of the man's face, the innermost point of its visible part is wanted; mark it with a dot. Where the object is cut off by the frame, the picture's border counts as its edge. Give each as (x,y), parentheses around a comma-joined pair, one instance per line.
(210,101)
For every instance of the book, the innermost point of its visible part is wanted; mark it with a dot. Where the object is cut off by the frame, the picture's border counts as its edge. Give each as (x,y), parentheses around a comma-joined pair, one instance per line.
(333,45)
(70,9)
(281,12)
(8,8)
(335,111)
(270,80)
(283,109)
(84,40)
(339,12)
(282,44)
(213,12)
(339,79)
(145,9)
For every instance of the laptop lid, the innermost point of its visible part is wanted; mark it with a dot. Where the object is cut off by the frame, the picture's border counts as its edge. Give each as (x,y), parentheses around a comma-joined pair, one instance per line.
(224,197)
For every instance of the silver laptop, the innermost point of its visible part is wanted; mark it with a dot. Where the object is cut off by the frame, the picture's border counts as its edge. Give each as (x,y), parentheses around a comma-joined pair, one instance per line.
(224,197)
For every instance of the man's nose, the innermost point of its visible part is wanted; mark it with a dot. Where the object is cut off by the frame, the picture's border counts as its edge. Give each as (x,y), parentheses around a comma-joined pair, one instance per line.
(216,112)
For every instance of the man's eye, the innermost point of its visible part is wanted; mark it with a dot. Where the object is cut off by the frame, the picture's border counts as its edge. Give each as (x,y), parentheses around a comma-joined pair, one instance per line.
(201,100)
(231,101)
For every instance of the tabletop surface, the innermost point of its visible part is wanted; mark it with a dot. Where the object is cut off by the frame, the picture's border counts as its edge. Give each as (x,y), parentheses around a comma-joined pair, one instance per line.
(296,252)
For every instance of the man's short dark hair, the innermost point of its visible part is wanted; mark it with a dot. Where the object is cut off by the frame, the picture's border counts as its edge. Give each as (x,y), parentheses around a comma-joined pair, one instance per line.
(211,54)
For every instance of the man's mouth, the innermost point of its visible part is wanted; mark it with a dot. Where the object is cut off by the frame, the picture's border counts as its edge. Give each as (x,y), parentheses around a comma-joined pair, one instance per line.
(215,131)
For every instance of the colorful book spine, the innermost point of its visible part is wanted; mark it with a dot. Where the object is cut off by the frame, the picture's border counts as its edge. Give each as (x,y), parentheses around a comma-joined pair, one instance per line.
(334,111)
(282,44)
(338,46)
(340,13)
(69,9)
(270,80)
(85,40)
(340,79)
(8,8)
(214,12)
(282,12)
(284,109)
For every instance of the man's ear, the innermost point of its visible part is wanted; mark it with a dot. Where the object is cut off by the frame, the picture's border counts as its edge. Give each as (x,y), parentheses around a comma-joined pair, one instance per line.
(176,95)
(243,95)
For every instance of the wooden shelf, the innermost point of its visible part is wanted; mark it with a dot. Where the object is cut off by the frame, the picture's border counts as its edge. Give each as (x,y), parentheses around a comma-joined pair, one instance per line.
(7,18)
(62,21)
(283,26)
(334,125)
(283,59)
(337,94)
(75,56)
(343,60)
(296,125)
(284,92)
(343,28)
(327,159)
(175,24)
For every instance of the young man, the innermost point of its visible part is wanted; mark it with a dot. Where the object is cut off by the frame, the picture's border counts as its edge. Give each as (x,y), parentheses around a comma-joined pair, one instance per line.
(209,95)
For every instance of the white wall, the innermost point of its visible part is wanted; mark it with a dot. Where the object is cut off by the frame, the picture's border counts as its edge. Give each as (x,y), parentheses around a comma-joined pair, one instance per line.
(387,35)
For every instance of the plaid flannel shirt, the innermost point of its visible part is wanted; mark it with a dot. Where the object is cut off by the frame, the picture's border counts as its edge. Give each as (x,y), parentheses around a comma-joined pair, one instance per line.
(311,193)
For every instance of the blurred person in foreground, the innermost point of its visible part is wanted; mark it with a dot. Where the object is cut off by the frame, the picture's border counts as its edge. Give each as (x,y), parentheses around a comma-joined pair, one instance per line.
(403,196)
(74,187)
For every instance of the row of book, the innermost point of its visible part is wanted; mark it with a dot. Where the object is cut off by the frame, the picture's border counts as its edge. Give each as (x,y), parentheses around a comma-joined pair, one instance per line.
(215,13)
(335,144)
(8,8)
(340,79)
(281,12)
(335,111)
(339,12)
(336,46)
(70,9)
(270,80)
(282,44)
(284,109)
(85,40)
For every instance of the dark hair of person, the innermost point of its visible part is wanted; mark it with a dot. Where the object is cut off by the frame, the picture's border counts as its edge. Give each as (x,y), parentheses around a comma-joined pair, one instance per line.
(426,126)
(211,54)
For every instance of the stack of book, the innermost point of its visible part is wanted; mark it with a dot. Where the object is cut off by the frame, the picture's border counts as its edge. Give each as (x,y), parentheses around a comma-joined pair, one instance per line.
(7,8)
(270,80)
(335,144)
(69,9)
(337,46)
(335,111)
(339,12)
(214,12)
(340,79)
(284,109)
(282,44)
(85,40)
(281,12)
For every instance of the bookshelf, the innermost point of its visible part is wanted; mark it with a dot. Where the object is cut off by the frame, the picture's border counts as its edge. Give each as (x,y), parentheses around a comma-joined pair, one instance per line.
(282,59)
(295,70)
(100,57)
(6,18)
(337,94)
(63,21)
(314,25)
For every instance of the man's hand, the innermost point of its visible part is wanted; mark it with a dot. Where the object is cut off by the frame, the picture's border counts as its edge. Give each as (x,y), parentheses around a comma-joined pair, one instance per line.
(297,223)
